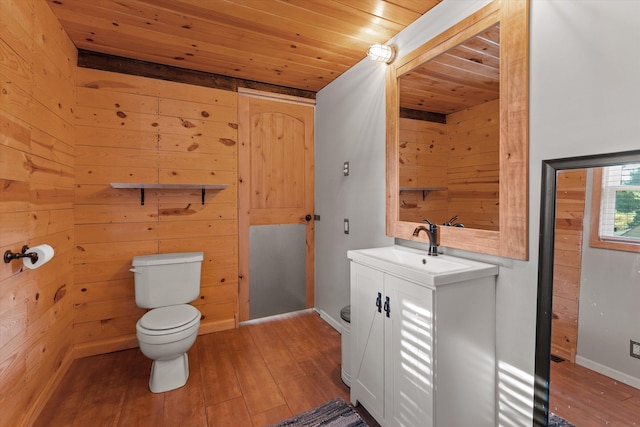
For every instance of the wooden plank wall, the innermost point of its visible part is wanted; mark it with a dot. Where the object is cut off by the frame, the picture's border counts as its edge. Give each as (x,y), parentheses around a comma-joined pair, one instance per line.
(473,175)
(570,200)
(423,157)
(461,155)
(37,96)
(138,130)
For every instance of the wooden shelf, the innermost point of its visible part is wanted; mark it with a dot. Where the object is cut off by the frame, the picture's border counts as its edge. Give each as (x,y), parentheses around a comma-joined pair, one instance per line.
(425,190)
(142,187)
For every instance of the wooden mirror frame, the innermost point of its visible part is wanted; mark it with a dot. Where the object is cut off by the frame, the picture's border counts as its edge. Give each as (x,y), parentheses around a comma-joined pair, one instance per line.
(512,239)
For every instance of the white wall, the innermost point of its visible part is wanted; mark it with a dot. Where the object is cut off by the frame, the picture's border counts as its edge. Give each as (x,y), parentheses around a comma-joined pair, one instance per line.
(609,316)
(350,126)
(585,99)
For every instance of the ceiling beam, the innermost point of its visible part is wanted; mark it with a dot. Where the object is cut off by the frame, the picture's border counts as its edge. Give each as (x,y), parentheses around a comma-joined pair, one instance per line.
(119,64)
(427,116)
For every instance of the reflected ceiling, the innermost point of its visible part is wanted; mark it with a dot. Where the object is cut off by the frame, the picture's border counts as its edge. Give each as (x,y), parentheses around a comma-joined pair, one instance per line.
(462,77)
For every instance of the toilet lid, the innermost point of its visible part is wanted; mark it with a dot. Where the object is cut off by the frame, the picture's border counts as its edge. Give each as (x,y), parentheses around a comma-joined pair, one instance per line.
(169,317)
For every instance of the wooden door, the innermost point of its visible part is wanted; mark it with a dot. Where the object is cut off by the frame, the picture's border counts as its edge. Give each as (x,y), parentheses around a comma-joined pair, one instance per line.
(275,175)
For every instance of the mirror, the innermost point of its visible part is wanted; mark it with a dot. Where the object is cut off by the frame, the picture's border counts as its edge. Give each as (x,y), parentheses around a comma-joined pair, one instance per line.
(457,134)
(595,337)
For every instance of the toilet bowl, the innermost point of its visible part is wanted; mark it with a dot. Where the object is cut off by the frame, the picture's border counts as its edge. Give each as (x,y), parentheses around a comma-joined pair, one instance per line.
(165,284)
(165,335)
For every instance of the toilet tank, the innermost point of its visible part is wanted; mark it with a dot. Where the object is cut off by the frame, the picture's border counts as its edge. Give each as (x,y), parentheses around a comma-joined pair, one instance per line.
(167,279)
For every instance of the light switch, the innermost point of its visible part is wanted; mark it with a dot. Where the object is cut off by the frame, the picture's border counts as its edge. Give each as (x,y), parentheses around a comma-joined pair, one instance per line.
(346,226)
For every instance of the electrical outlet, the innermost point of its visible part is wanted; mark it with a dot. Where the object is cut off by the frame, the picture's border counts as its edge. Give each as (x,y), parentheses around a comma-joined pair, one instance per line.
(634,349)
(345,169)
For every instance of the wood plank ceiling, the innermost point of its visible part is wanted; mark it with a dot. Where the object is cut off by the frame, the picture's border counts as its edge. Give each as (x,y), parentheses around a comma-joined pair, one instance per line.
(301,44)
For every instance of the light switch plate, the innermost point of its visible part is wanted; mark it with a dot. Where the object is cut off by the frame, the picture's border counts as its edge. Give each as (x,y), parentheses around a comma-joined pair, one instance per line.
(634,349)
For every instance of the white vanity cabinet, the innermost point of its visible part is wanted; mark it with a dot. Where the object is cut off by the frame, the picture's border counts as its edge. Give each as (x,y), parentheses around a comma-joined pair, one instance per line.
(423,348)
(392,354)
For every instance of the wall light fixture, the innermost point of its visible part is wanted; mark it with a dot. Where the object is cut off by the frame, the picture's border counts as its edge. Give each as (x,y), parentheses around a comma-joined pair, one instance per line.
(382,53)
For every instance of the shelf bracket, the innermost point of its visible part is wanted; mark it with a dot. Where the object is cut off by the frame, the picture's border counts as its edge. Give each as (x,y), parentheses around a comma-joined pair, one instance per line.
(425,190)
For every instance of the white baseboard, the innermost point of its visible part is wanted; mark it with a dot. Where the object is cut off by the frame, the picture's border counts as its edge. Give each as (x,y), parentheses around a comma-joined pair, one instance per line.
(330,320)
(610,372)
(323,315)
(275,317)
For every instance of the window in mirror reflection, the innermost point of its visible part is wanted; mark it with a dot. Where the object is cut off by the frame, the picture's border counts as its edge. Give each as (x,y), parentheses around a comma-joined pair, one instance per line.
(616,208)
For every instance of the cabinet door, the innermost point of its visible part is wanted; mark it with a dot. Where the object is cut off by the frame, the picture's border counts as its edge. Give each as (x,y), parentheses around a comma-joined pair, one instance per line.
(409,354)
(367,339)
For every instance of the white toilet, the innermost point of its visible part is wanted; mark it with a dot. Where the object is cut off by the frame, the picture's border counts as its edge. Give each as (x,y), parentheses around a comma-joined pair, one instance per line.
(166,283)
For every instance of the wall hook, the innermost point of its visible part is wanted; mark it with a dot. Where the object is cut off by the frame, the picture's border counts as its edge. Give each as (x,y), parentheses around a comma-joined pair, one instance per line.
(10,256)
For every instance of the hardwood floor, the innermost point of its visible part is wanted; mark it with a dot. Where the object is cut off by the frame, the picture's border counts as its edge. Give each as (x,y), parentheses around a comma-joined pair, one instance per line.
(255,375)
(586,398)
(264,372)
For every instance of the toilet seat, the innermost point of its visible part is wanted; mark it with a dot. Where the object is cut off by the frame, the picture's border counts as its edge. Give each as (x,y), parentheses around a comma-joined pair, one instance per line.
(168,320)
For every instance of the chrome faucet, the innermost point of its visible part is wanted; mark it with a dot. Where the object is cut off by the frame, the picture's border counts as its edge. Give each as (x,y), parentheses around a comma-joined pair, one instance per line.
(432,233)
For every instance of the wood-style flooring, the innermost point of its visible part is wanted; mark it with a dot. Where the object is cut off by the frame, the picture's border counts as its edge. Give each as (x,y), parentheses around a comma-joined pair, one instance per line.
(264,372)
(586,398)
(255,375)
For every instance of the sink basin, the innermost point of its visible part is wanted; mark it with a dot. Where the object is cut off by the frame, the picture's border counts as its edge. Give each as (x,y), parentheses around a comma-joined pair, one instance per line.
(431,264)
(417,266)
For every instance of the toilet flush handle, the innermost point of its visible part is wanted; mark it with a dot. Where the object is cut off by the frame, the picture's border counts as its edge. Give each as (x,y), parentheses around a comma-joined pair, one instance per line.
(133,270)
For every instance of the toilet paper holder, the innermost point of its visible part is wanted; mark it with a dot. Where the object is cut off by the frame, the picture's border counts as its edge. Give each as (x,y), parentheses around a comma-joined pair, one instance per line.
(10,256)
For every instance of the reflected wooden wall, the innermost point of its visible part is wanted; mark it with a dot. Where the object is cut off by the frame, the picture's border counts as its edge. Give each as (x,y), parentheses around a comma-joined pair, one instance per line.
(570,198)
(423,157)
(473,176)
(461,156)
